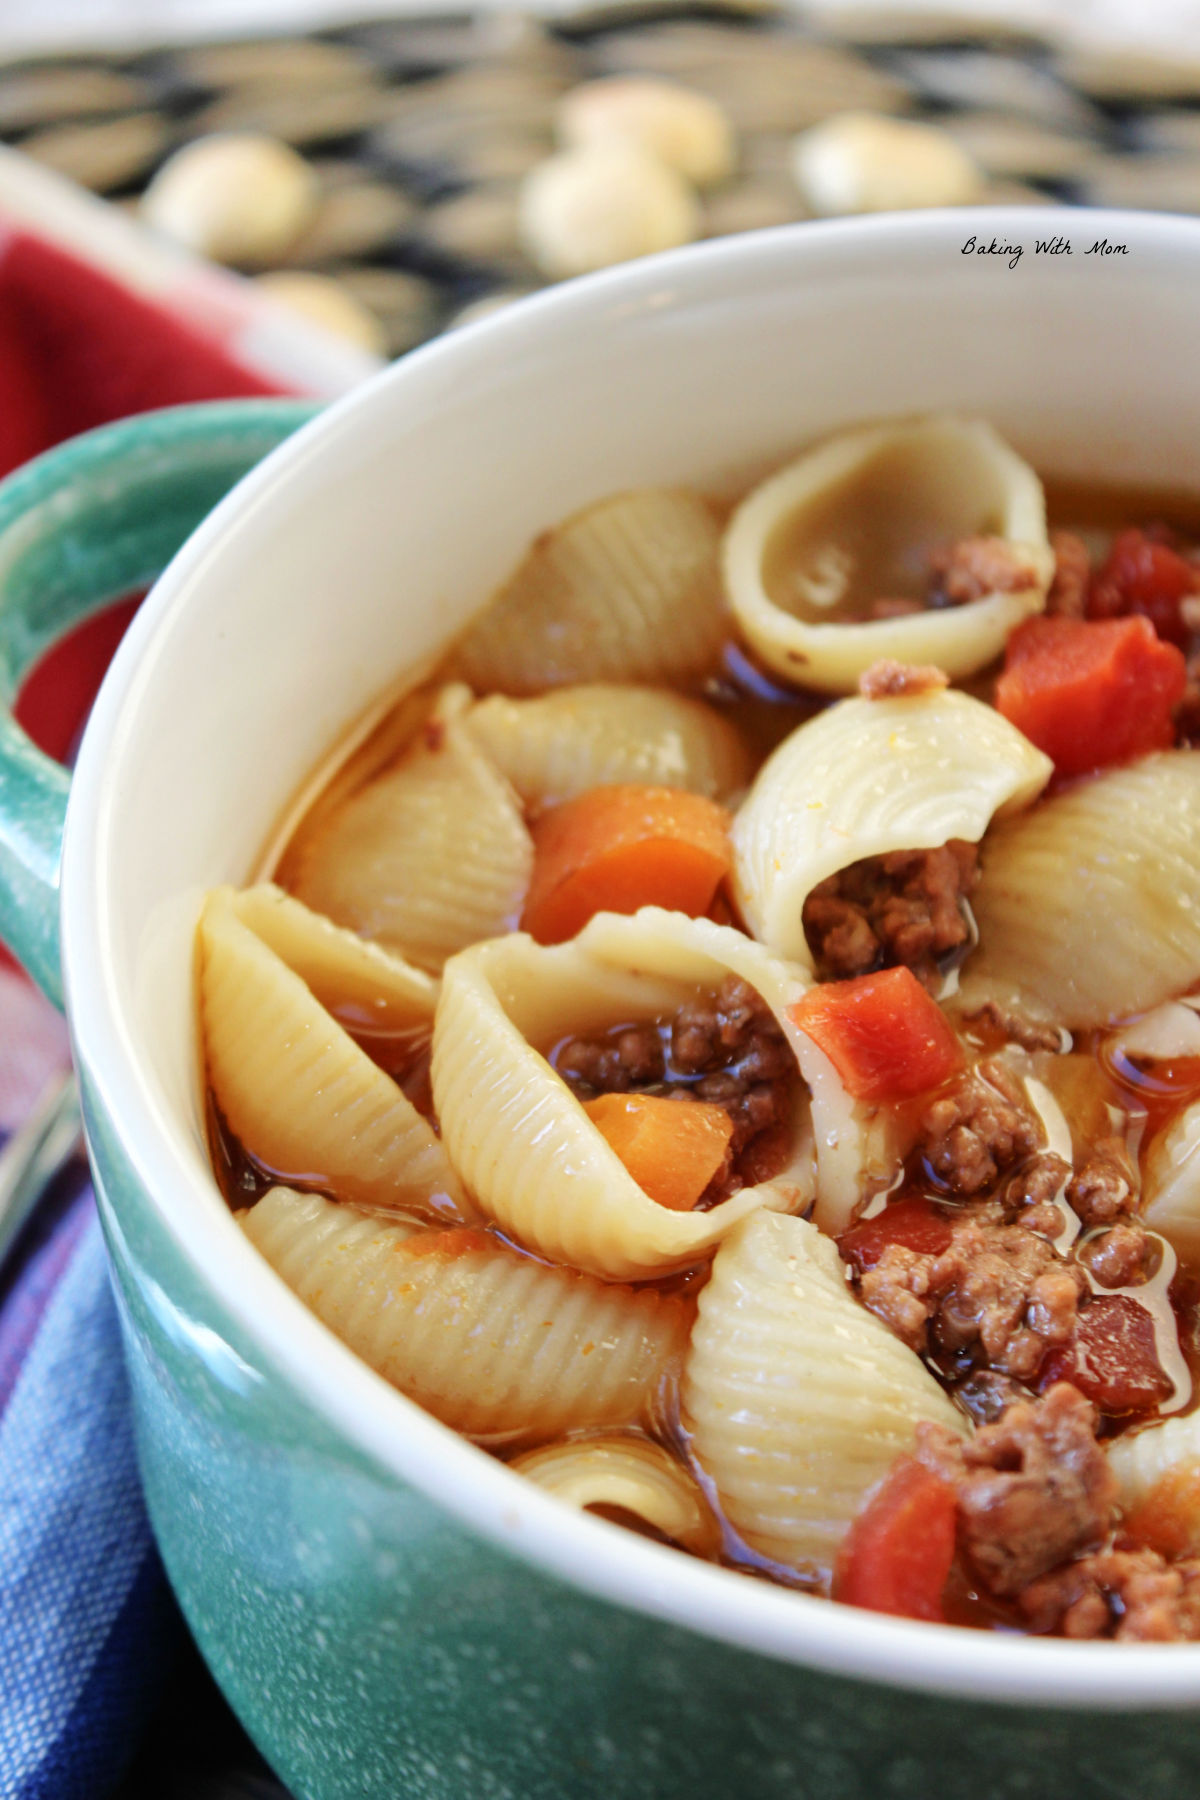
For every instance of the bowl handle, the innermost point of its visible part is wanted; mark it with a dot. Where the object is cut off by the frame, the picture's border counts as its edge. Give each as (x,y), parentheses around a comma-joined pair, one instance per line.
(95,519)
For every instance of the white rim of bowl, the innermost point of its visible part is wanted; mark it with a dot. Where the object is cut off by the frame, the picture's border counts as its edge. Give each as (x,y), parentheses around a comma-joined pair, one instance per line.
(401,1439)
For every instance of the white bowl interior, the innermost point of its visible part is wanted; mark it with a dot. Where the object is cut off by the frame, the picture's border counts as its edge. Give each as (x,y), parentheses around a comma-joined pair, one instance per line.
(362,545)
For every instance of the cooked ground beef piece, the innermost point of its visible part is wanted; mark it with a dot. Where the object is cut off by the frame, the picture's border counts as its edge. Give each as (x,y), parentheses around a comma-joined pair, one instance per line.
(976,566)
(1120,1257)
(1072,572)
(972,1135)
(1015,1028)
(1105,1187)
(1033,1489)
(725,1048)
(985,1395)
(889,680)
(1032,1195)
(905,907)
(1000,1295)
(1008,1297)
(1132,1595)
(626,1059)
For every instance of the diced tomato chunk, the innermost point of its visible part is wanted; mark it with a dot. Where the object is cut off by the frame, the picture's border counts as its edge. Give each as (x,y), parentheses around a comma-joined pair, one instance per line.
(1091,692)
(1113,1358)
(896,1557)
(913,1222)
(1144,575)
(885,1036)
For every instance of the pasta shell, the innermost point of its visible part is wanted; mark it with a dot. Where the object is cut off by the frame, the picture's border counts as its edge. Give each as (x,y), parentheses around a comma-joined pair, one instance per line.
(630,1474)
(429,857)
(350,977)
(489,1341)
(865,777)
(518,1136)
(563,743)
(296,1089)
(1141,1459)
(798,1400)
(1089,905)
(857,515)
(626,590)
(1171,1185)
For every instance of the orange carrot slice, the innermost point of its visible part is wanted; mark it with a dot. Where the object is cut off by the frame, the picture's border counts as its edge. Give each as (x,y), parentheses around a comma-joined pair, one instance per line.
(615,849)
(672,1148)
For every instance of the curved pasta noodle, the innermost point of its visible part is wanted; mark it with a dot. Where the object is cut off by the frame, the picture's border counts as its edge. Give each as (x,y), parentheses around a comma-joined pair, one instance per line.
(629,589)
(576,738)
(489,1341)
(518,1136)
(882,493)
(1171,1185)
(1089,906)
(349,976)
(1167,1452)
(865,777)
(295,1088)
(431,856)
(630,1474)
(797,1398)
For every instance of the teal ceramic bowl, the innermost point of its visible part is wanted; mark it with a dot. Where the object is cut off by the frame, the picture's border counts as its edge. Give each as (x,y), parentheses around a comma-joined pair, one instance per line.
(390,1611)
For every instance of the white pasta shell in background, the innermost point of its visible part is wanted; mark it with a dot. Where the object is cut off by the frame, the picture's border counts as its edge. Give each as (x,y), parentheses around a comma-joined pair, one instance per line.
(629,589)
(886,495)
(432,855)
(1141,1459)
(349,976)
(326,302)
(866,777)
(295,1088)
(863,162)
(1089,905)
(682,128)
(1171,1184)
(631,1474)
(604,203)
(237,197)
(518,1136)
(798,1400)
(577,738)
(489,1341)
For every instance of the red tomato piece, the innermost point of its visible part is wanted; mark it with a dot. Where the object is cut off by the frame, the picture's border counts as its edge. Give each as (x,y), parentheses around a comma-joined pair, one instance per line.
(1146,576)
(1091,692)
(1114,1357)
(885,1036)
(897,1554)
(913,1222)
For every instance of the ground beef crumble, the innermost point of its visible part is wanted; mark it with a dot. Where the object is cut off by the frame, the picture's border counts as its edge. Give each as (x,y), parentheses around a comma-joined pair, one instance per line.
(1017,1027)
(1131,1595)
(1068,593)
(1106,1186)
(891,680)
(725,1048)
(905,907)
(983,1127)
(1033,1489)
(1000,1295)
(976,566)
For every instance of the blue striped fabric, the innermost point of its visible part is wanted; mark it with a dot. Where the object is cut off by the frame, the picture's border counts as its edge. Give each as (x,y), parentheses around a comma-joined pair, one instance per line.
(87,1624)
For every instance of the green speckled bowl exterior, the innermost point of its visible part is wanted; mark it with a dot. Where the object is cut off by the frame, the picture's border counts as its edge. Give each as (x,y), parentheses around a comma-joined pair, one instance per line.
(390,1613)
